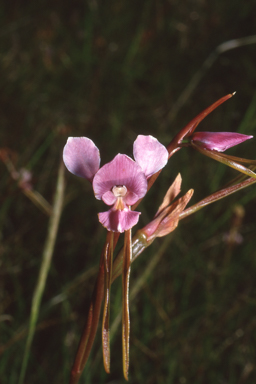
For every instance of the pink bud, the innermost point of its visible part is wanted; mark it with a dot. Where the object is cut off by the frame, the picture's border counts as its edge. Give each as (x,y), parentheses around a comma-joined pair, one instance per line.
(218,141)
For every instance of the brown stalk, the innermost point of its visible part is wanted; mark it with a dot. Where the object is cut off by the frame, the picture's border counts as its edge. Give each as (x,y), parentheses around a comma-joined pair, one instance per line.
(91,325)
(108,263)
(125,301)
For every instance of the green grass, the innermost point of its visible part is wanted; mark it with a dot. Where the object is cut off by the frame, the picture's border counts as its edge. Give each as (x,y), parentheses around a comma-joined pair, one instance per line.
(110,71)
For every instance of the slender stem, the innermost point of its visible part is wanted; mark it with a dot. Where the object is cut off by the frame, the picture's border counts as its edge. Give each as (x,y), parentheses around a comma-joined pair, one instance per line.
(44,268)
(224,159)
(149,267)
(216,196)
(108,263)
(91,325)
(139,244)
(38,200)
(191,126)
(125,301)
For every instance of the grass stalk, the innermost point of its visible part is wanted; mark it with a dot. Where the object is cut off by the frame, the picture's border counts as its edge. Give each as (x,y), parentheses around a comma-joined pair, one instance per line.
(44,269)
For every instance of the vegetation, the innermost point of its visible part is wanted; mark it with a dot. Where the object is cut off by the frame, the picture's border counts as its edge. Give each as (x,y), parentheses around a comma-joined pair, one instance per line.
(110,71)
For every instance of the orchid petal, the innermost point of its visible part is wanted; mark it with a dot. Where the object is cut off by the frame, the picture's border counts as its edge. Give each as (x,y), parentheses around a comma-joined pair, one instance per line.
(118,220)
(81,157)
(130,198)
(122,170)
(219,141)
(109,198)
(149,154)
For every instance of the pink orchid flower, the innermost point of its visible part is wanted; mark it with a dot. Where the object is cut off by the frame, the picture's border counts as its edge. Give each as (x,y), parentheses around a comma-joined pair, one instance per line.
(119,183)
(218,141)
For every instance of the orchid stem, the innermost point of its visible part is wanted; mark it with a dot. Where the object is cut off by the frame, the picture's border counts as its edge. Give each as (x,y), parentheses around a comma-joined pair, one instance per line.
(108,261)
(224,159)
(91,325)
(216,196)
(125,301)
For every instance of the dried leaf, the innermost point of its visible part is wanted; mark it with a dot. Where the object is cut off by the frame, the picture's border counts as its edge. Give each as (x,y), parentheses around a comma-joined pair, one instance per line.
(170,195)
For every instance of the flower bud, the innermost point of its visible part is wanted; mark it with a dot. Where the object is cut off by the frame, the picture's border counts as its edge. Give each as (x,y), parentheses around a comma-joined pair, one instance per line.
(218,141)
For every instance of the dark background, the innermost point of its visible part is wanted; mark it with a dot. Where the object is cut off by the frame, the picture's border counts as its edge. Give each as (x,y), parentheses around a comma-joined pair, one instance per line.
(111,70)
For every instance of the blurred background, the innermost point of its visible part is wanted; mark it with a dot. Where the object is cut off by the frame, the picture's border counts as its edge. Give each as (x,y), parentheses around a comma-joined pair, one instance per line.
(111,70)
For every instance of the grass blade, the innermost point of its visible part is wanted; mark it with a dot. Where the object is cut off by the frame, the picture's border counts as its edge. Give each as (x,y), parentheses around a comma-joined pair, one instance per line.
(44,269)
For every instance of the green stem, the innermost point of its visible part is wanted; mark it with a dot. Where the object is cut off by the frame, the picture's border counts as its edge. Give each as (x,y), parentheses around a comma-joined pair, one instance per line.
(44,269)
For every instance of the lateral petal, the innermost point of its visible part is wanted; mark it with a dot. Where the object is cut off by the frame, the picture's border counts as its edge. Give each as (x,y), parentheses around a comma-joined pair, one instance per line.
(149,154)
(109,198)
(81,157)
